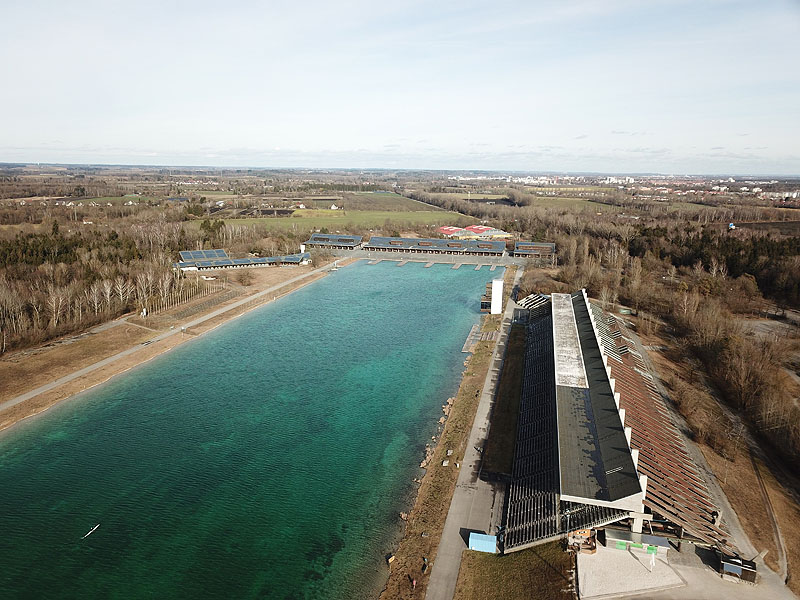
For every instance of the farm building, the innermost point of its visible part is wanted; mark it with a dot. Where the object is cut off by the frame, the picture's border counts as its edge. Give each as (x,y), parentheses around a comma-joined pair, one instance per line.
(434,246)
(485,232)
(596,443)
(203,260)
(338,242)
(480,232)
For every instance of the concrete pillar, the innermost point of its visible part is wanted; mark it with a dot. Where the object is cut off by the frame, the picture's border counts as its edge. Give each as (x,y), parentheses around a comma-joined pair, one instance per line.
(635,457)
(622,418)
(638,524)
(628,435)
(616,398)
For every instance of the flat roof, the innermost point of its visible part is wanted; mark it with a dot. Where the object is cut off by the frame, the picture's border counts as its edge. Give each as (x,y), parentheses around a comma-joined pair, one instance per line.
(334,240)
(594,458)
(218,263)
(435,245)
(534,246)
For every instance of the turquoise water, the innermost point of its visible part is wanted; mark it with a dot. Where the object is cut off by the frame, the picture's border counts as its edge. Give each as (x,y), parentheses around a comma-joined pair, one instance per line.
(267,459)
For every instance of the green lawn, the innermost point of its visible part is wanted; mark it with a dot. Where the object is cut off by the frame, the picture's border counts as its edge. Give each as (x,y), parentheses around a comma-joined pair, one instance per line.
(538,573)
(339,220)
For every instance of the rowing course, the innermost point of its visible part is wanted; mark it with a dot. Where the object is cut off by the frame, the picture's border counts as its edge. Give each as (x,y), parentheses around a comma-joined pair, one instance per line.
(269,458)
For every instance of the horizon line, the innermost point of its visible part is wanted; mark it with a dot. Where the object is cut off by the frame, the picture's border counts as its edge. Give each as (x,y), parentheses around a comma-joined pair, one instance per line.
(4,164)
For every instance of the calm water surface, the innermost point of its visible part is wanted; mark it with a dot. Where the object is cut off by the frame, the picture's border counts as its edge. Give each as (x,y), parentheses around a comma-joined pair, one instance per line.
(267,459)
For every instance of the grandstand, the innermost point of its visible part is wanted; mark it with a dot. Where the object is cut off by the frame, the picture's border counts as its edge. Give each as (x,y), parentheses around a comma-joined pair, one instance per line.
(435,246)
(595,442)
(338,242)
(204,260)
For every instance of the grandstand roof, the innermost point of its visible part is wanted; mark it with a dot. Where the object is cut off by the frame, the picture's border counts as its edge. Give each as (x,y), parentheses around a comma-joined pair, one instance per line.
(434,245)
(594,457)
(325,239)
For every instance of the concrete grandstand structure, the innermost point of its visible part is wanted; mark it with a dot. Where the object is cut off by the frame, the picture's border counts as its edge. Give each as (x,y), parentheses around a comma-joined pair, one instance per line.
(595,442)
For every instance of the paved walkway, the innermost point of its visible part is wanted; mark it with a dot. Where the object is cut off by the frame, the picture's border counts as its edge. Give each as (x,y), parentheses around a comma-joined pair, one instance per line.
(106,361)
(476,505)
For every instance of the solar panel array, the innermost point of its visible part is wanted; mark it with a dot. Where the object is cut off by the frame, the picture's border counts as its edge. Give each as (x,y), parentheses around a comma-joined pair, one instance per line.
(190,255)
(221,263)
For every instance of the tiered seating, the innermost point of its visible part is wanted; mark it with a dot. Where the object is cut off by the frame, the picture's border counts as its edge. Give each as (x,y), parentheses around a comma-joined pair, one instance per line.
(533,495)
(675,489)
(535,512)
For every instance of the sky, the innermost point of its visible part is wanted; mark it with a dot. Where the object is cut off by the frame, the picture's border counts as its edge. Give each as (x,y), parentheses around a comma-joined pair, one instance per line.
(616,86)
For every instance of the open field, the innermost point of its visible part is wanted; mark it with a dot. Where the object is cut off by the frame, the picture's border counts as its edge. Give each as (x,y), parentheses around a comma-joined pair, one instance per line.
(540,573)
(340,219)
(783,227)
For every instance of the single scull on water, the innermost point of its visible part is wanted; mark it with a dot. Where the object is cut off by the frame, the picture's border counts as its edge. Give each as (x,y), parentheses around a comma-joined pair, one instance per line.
(91,532)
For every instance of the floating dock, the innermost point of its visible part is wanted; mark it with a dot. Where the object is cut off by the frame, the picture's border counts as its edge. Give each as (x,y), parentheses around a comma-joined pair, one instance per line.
(429,265)
(472,338)
(456,266)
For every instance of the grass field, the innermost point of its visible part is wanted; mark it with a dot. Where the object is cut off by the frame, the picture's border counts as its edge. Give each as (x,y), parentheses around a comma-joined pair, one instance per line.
(540,573)
(340,219)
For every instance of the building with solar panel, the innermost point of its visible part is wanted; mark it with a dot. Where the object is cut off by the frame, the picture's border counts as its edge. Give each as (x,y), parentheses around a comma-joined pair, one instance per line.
(596,444)
(335,242)
(435,246)
(204,260)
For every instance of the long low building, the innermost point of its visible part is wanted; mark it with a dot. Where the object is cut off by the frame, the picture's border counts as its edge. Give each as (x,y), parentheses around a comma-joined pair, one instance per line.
(205,260)
(338,242)
(595,442)
(535,249)
(435,246)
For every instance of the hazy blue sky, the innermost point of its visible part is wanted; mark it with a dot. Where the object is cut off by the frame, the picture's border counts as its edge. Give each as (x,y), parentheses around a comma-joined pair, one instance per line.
(695,86)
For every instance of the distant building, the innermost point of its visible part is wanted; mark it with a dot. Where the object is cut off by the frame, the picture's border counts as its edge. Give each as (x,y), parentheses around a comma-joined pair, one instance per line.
(203,260)
(481,232)
(339,242)
(434,246)
(543,252)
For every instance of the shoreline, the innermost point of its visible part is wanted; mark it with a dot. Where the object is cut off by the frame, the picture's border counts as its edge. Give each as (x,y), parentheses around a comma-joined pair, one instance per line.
(422,528)
(14,410)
